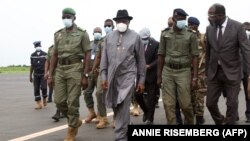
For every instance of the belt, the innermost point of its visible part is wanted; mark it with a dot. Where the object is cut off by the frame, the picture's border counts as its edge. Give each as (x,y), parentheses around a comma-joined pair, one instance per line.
(178,66)
(67,61)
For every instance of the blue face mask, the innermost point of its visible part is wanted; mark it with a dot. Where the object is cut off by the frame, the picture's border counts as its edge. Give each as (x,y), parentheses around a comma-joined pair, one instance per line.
(97,36)
(181,24)
(108,29)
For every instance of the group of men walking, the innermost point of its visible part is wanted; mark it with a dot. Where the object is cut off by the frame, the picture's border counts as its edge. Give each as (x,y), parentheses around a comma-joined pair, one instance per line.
(185,64)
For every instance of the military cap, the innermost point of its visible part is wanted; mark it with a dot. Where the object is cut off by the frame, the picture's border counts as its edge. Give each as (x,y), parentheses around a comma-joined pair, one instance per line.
(69,11)
(37,43)
(179,11)
(144,33)
(193,20)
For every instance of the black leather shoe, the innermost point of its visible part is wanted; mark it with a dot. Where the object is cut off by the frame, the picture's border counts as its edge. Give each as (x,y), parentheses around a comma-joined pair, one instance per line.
(49,100)
(56,117)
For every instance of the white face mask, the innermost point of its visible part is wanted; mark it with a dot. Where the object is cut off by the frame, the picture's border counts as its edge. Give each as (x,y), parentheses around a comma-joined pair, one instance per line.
(68,22)
(122,27)
(248,33)
(38,48)
(97,36)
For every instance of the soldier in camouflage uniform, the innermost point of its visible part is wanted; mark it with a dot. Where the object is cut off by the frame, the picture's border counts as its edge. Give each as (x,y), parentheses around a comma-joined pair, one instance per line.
(178,50)
(71,54)
(94,80)
(199,92)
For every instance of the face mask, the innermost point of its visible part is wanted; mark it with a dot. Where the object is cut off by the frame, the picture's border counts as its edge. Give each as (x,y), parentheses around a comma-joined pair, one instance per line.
(248,33)
(97,36)
(181,24)
(145,42)
(108,29)
(68,22)
(38,48)
(122,27)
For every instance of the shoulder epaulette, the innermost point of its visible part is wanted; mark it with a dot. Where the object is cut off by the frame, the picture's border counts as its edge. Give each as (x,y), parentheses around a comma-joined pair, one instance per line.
(190,30)
(165,29)
(59,30)
(51,46)
(79,28)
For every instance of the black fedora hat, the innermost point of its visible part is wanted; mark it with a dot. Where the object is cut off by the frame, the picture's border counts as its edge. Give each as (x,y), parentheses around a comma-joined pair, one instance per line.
(122,14)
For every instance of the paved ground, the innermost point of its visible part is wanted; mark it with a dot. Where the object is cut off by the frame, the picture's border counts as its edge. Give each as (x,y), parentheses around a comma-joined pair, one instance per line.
(20,121)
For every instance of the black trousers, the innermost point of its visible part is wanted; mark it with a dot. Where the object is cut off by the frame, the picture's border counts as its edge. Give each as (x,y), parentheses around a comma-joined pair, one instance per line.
(245,84)
(148,100)
(39,83)
(215,87)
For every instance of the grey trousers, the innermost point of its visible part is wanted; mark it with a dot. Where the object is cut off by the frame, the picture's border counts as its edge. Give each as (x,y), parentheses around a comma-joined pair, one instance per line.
(122,118)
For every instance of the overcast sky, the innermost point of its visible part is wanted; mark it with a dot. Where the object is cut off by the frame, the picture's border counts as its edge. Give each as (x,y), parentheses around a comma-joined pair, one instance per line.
(24,21)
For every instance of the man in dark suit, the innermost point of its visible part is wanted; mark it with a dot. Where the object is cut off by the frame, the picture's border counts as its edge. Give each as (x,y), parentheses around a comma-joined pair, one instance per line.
(245,76)
(151,88)
(225,39)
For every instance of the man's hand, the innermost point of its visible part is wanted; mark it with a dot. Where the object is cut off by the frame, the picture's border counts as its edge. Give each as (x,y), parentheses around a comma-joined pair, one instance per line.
(50,82)
(31,79)
(84,83)
(46,75)
(159,81)
(105,85)
(140,88)
(147,66)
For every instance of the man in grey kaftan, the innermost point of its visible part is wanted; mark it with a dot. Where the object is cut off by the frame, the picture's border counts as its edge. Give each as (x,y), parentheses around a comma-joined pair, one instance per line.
(122,62)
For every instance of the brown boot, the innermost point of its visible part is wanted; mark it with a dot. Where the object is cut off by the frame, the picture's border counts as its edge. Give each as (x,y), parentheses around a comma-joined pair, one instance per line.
(91,115)
(72,132)
(45,101)
(97,120)
(78,125)
(102,123)
(39,105)
(135,111)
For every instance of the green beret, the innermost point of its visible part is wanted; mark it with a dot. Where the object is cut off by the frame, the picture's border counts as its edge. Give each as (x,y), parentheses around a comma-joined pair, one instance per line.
(69,11)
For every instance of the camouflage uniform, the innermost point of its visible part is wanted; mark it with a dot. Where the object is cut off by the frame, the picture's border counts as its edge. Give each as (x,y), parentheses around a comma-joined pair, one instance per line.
(199,93)
(70,47)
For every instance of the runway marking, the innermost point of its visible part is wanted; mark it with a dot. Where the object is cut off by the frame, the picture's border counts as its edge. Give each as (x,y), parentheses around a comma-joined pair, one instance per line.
(51,130)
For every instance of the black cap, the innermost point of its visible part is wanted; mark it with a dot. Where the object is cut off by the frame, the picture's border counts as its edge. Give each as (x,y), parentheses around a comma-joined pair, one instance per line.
(122,14)
(37,43)
(193,20)
(179,11)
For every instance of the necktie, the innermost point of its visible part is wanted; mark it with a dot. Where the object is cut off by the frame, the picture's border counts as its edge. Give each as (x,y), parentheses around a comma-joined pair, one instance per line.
(219,39)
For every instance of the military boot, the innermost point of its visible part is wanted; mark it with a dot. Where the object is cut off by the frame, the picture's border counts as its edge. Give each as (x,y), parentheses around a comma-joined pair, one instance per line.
(102,123)
(72,132)
(200,120)
(91,115)
(38,105)
(135,111)
(56,117)
(98,118)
